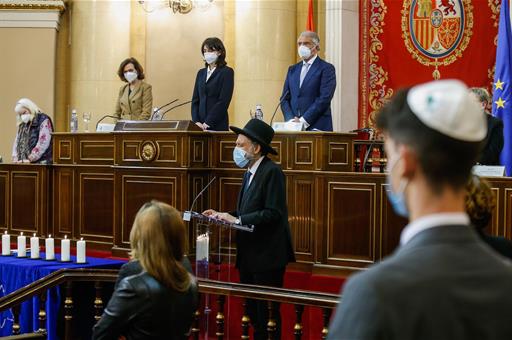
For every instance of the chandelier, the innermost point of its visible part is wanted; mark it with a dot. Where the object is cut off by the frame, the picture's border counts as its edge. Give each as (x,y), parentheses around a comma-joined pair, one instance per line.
(177,6)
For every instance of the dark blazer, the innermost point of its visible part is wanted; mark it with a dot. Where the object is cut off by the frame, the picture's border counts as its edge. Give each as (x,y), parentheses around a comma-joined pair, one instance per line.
(313,100)
(445,283)
(263,205)
(500,244)
(142,308)
(493,144)
(133,267)
(210,100)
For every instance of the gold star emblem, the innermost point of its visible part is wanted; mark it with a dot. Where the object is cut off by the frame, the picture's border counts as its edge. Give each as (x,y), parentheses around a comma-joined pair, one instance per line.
(500,103)
(499,85)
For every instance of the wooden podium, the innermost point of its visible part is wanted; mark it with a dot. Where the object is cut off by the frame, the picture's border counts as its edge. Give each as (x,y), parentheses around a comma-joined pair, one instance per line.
(339,219)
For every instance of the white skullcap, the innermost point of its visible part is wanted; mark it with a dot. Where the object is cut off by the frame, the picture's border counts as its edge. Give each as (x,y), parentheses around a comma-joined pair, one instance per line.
(448,107)
(28,104)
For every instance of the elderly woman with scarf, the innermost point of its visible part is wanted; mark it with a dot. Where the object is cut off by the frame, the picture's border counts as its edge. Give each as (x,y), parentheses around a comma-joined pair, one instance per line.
(33,142)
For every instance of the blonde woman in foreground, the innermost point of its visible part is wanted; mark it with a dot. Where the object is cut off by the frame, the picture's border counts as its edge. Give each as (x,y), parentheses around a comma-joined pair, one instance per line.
(159,302)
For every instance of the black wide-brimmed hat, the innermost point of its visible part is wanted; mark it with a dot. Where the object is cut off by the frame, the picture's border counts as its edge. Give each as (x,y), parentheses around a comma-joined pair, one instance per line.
(258,131)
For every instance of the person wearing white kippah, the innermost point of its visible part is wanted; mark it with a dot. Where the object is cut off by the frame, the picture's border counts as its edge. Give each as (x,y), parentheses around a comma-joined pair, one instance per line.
(443,281)
(33,142)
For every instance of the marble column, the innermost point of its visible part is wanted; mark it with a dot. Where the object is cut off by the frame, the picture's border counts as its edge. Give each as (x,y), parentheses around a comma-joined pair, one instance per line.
(264,48)
(342,50)
(100,40)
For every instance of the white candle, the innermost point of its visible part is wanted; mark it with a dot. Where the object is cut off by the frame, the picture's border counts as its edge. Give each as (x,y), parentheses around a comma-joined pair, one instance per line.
(49,248)
(6,244)
(22,245)
(34,247)
(80,251)
(202,244)
(65,249)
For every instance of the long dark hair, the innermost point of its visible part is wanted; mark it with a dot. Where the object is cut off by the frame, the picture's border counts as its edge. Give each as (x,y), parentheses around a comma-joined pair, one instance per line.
(215,44)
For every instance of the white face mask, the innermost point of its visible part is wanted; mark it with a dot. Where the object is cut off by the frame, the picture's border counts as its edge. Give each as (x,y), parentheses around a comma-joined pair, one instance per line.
(25,118)
(210,57)
(130,76)
(304,52)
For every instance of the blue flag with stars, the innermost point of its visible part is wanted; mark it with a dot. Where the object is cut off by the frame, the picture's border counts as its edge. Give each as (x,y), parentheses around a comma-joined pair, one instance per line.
(502,101)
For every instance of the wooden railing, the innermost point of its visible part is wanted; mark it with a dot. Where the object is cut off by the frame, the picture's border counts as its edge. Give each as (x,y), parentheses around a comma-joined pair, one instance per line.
(66,277)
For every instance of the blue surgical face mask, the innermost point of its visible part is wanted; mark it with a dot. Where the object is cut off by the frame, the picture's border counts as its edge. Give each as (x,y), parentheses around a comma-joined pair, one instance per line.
(397,199)
(240,157)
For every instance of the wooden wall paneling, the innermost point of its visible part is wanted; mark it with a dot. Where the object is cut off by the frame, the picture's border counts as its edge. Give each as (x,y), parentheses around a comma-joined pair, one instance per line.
(507,219)
(4,200)
(96,205)
(494,225)
(25,198)
(351,225)
(96,149)
(302,206)
(139,187)
(63,201)
(198,150)
(391,225)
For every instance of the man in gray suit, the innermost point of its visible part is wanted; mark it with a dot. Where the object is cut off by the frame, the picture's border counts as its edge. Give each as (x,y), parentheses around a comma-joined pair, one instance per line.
(442,282)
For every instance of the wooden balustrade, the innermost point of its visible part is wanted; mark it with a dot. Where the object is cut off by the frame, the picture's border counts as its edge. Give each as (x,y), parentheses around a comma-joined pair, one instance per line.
(274,296)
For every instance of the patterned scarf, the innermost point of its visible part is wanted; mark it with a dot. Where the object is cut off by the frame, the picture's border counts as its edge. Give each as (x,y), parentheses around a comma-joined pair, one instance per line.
(22,148)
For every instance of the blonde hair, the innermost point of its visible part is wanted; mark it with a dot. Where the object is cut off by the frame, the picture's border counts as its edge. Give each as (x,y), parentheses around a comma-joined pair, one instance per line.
(158,240)
(27,104)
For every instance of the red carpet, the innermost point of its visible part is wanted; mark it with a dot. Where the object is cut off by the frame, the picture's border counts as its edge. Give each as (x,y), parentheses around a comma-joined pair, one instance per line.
(312,319)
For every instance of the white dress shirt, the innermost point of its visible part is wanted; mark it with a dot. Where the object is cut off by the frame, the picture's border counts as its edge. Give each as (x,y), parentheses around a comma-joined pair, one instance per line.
(209,72)
(432,221)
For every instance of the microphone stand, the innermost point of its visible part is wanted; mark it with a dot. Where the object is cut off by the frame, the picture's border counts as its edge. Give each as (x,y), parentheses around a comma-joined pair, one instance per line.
(279,104)
(172,108)
(157,110)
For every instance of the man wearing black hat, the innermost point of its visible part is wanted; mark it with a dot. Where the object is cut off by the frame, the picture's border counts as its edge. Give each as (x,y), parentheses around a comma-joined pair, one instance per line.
(263,254)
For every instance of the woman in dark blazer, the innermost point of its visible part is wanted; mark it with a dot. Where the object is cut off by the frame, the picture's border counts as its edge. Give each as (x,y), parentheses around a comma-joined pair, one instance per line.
(213,88)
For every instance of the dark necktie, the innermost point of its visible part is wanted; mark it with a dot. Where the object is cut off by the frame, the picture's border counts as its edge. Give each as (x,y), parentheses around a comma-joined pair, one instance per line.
(245,182)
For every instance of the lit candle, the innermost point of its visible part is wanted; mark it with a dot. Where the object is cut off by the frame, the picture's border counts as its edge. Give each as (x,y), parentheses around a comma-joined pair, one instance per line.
(202,244)
(80,251)
(22,245)
(49,248)
(34,247)
(6,244)
(65,249)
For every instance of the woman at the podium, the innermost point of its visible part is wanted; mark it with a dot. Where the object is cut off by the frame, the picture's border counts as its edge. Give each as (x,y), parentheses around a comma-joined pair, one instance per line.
(213,88)
(33,142)
(135,97)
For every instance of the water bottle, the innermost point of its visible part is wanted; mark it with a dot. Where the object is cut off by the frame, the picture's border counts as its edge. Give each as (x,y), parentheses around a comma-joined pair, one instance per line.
(73,123)
(258,114)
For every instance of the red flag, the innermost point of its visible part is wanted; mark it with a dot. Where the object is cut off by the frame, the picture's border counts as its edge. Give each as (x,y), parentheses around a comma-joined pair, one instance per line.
(310,25)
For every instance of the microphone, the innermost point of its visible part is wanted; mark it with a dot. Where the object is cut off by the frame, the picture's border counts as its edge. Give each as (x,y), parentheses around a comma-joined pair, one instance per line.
(102,118)
(285,96)
(156,112)
(175,106)
(188,214)
(365,129)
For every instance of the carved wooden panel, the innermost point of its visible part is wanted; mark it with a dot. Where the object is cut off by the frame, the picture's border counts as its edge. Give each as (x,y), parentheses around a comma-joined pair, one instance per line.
(64,150)
(278,146)
(338,153)
(391,224)
(137,190)
(226,153)
(304,151)
(25,204)
(508,214)
(96,150)
(4,199)
(229,187)
(96,206)
(167,151)
(130,151)
(494,224)
(63,202)
(302,222)
(351,223)
(198,151)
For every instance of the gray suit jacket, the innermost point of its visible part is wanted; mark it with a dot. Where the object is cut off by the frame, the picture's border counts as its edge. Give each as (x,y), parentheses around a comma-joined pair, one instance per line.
(445,283)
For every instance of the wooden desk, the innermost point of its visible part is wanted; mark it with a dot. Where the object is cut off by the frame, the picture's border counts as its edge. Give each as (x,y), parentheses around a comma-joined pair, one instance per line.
(340,220)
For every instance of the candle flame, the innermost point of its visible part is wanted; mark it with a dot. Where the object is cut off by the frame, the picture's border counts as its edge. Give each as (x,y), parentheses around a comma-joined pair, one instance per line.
(34,234)
(81,238)
(21,234)
(50,236)
(5,232)
(65,236)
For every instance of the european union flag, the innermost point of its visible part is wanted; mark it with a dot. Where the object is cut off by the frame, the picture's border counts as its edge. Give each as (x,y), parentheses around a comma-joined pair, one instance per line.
(502,98)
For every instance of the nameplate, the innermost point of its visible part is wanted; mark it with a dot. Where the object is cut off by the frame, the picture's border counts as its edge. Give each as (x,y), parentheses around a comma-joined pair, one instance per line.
(105,127)
(288,126)
(489,170)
